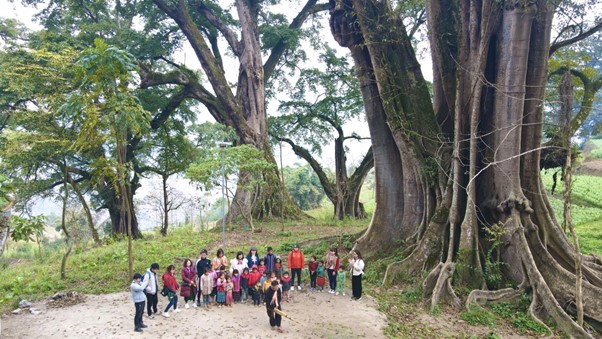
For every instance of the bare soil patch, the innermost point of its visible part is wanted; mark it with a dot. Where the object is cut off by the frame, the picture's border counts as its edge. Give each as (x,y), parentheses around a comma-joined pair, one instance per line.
(320,315)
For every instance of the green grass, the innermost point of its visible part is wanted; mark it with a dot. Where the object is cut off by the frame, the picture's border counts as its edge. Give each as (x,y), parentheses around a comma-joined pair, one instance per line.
(596,152)
(586,208)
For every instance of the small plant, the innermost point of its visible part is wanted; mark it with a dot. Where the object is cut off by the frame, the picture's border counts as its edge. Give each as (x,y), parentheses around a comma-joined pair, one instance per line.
(479,316)
(524,323)
(412,296)
(504,310)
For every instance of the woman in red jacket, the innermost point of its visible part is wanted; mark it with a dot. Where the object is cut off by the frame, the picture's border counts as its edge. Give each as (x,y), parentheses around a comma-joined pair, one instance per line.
(296,263)
(188,283)
(169,281)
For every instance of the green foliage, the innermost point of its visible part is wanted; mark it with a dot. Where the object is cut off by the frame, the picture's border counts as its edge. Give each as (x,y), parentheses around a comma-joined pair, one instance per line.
(596,153)
(23,229)
(6,188)
(493,264)
(412,296)
(478,316)
(304,186)
(525,324)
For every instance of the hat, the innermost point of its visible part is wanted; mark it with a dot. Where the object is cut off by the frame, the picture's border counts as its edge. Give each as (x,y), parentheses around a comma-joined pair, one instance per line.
(254,266)
(253,248)
(296,246)
(203,251)
(137,276)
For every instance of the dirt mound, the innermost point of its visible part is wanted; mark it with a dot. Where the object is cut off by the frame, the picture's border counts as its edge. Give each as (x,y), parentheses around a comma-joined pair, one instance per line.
(591,168)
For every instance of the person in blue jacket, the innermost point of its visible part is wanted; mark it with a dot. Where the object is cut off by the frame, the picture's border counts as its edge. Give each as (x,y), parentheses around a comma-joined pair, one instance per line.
(137,287)
(269,260)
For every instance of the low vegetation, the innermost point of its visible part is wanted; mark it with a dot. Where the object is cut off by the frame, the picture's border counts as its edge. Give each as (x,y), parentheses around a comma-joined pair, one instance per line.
(28,272)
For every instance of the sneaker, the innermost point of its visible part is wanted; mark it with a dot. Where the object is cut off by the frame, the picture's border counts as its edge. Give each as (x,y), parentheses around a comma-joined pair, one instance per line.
(299,287)
(143,326)
(137,329)
(336,293)
(360,298)
(194,305)
(343,293)
(177,310)
(186,306)
(152,316)
(166,315)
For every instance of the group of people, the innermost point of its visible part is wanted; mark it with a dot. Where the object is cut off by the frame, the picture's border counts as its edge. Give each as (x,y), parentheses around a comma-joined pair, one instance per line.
(245,278)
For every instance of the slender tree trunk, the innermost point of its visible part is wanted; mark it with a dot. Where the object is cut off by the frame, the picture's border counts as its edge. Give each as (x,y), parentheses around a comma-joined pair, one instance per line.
(86,208)
(165,207)
(5,224)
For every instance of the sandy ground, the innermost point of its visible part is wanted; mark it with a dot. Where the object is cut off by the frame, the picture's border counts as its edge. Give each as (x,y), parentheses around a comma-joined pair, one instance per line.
(321,315)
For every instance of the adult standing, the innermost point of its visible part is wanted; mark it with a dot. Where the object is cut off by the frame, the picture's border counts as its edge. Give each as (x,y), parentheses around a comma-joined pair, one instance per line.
(188,289)
(219,260)
(332,267)
(151,290)
(357,271)
(252,257)
(296,263)
(201,264)
(273,298)
(239,263)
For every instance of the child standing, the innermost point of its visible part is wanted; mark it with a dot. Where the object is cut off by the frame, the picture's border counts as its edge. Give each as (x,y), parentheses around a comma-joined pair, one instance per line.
(229,288)
(261,268)
(341,276)
(320,276)
(313,274)
(256,294)
(244,284)
(139,298)
(278,267)
(169,281)
(286,286)
(236,286)
(221,289)
(207,285)
(270,259)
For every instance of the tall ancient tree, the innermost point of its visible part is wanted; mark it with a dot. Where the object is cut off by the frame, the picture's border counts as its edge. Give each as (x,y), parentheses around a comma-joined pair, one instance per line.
(320,105)
(241,106)
(457,177)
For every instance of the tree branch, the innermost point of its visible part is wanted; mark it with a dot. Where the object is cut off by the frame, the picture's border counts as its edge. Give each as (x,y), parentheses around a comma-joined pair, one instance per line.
(306,155)
(228,34)
(281,46)
(558,45)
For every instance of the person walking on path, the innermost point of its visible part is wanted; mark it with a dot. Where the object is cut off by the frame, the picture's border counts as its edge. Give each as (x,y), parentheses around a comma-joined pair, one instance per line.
(169,282)
(357,271)
(296,263)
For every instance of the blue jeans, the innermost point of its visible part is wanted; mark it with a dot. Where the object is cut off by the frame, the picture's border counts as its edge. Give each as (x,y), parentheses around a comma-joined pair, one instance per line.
(173,301)
(206,300)
(332,279)
(139,312)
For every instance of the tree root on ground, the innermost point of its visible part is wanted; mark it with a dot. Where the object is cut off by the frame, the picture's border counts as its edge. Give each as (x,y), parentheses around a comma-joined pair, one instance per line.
(437,285)
(481,296)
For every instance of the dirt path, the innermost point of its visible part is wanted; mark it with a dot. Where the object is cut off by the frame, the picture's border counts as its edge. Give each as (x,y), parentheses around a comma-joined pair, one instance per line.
(111,316)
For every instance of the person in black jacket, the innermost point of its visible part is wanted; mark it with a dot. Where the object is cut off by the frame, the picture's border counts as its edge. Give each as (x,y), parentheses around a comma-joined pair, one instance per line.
(202,263)
(273,299)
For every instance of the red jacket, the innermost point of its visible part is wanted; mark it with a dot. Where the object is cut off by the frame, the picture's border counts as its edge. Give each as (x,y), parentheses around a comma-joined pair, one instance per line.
(254,277)
(170,281)
(296,259)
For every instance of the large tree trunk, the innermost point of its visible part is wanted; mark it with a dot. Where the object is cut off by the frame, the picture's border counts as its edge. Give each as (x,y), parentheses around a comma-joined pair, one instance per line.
(244,111)
(490,63)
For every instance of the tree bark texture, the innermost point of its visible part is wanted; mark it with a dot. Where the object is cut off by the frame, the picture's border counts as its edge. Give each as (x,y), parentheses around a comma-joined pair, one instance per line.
(243,110)
(457,175)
